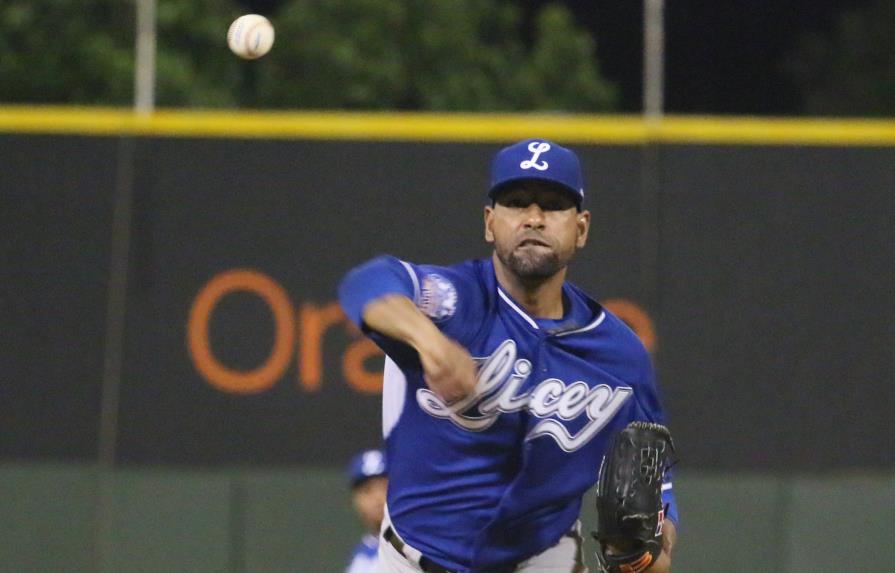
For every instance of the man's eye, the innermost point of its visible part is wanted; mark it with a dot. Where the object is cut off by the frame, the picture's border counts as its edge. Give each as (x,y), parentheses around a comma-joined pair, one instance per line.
(554,206)
(517,203)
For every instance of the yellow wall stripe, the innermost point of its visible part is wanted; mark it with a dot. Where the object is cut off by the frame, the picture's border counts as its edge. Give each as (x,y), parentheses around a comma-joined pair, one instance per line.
(461,127)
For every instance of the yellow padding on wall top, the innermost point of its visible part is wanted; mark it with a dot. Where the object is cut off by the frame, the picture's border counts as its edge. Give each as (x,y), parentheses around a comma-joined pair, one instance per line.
(447,127)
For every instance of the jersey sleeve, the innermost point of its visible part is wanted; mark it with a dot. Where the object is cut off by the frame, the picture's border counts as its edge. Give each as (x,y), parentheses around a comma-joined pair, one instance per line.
(668,499)
(449,296)
(374,279)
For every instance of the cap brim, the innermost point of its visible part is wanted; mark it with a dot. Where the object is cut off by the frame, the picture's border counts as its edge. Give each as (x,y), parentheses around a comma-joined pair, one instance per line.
(502,186)
(361,480)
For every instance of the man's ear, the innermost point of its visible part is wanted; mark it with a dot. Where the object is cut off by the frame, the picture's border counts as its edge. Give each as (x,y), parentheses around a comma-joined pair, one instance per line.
(583,224)
(489,218)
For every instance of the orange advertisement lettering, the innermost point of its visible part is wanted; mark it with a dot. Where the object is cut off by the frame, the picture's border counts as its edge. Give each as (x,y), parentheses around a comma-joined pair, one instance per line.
(302,334)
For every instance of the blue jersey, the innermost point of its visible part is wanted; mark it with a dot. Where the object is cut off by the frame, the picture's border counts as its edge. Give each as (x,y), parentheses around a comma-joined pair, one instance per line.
(364,557)
(497,477)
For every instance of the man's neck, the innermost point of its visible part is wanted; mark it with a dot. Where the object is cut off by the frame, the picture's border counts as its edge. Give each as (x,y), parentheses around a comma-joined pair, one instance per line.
(540,298)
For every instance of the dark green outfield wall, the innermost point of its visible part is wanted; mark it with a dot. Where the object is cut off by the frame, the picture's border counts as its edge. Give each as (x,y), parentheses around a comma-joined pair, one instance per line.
(300,520)
(766,271)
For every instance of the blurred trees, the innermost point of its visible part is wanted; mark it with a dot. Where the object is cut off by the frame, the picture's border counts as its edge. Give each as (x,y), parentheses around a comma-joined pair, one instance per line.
(853,72)
(335,54)
(430,54)
(65,51)
(82,52)
(192,67)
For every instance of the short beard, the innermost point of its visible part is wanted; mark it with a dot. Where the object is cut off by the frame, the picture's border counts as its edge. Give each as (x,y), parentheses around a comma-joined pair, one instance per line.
(534,267)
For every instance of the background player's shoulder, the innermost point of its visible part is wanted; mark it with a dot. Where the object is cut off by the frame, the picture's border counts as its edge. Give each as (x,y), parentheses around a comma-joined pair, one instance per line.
(368,546)
(364,556)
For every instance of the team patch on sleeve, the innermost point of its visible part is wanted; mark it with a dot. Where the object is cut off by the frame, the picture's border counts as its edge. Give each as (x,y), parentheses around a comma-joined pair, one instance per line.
(438,297)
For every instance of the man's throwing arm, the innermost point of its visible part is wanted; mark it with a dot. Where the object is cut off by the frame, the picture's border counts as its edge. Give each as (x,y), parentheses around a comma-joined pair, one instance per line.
(377,297)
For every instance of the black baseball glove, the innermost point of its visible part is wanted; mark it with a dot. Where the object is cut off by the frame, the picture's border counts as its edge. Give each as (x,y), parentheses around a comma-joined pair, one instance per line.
(629,498)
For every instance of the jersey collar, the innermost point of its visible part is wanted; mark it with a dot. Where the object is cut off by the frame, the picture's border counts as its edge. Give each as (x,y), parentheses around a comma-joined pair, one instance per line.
(584,314)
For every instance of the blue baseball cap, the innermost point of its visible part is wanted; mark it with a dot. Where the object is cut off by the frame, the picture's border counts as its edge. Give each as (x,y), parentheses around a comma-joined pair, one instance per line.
(365,465)
(539,160)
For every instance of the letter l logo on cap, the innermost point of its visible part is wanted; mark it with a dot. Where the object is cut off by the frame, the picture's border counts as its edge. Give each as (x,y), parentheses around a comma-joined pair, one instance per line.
(537,148)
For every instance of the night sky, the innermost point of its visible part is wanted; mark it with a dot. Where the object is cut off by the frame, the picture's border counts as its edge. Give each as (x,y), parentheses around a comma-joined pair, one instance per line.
(721,57)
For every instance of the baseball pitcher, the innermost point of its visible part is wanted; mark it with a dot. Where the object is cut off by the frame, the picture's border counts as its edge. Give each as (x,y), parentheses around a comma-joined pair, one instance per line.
(507,388)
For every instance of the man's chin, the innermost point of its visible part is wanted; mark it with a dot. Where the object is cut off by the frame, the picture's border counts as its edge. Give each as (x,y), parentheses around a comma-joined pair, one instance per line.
(533,267)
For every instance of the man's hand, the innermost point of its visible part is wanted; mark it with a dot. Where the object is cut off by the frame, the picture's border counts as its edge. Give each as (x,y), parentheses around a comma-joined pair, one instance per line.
(669,538)
(448,368)
(662,564)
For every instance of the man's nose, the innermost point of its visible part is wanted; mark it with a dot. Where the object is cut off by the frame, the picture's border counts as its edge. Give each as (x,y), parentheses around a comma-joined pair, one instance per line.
(534,216)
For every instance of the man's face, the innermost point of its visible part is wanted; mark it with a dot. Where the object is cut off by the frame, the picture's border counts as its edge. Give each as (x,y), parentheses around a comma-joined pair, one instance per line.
(536,229)
(369,501)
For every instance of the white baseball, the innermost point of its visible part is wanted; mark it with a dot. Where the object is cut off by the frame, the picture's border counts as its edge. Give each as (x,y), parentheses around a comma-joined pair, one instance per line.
(250,36)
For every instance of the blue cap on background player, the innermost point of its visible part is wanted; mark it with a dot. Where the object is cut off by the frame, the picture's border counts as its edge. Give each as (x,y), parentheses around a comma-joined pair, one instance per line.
(540,160)
(366,465)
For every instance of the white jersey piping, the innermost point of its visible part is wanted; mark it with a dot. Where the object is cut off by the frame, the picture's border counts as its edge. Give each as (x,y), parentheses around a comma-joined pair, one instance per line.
(521,312)
(590,326)
(416,282)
